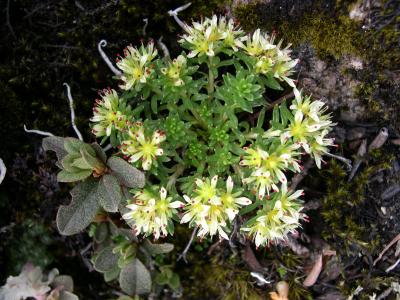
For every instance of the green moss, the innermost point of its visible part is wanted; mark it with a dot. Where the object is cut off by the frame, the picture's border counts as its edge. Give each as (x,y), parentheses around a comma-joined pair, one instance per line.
(326,27)
(33,241)
(344,207)
(217,278)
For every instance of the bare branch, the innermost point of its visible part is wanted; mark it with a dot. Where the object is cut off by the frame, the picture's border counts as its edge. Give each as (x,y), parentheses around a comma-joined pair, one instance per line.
(260,279)
(392,242)
(362,150)
(174,13)
(3,170)
(392,266)
(344,160)
(45,133)
(163,47)
(100,46)
(108,147)
(8,20)
(185,251)
(71,108)
(146,23)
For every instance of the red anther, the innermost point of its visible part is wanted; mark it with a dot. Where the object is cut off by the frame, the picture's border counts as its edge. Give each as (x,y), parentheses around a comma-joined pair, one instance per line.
(302,194)
(301,167)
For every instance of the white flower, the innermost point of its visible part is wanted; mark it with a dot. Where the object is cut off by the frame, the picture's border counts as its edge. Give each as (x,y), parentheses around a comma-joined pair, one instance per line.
(174,70)
(135,65)
(141,147)
(268,167)
(273,223)
(305,106)
(211,208)
(257,44)
(151,214)
(211,36)
(319,146)
(106,114)
(28,284)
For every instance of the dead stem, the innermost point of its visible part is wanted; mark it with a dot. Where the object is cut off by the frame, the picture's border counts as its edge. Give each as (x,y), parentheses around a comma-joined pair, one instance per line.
(185,251)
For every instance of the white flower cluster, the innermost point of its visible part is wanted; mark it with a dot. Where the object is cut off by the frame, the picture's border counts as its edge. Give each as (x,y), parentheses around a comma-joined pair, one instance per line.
(107,115)
(138,146)
(217,34)
(309,127)
(211,36)
(152,213)
(280,216)
(136,65)
(210,208)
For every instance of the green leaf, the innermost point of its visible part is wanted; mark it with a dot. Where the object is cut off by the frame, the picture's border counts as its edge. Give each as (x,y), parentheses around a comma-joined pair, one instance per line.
(82,164)
(272,83)
(76,216)
(154,249)
(65,295)
(174,282)
(65,282)
(105,260)
(101,233)
(112,274)
(99,152)
(128,175)
(154,104)
(65,176)
(109,193)
(135,279)
(68,161)
(89,156)
(72,145)
(56,144)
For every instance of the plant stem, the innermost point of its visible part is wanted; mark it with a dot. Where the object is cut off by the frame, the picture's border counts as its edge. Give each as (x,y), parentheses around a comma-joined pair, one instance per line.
(210,87)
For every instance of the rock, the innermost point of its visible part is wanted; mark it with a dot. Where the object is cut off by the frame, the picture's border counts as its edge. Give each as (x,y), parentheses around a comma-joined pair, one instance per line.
(355,133)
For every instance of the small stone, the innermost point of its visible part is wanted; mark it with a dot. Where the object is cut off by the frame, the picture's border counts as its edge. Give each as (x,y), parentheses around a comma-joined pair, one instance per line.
(355,133)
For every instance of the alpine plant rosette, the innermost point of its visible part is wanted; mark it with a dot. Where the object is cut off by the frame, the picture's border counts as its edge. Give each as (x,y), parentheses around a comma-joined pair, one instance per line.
(189,123)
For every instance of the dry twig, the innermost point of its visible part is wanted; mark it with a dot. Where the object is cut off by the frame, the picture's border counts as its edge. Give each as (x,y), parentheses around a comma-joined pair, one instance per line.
(185,251)
(174,13)
(362,150)
(104,56)
(392,242)
(40,132)
(71,108)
